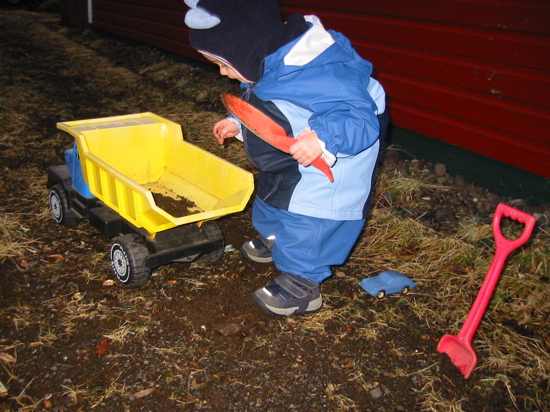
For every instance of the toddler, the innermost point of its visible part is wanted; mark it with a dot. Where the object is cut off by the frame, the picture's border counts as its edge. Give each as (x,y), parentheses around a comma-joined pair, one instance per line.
(314,84)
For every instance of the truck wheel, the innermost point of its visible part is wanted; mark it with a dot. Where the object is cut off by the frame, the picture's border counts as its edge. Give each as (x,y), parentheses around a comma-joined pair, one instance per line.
(213,232)
(59,207)
(381,294)
(129,260)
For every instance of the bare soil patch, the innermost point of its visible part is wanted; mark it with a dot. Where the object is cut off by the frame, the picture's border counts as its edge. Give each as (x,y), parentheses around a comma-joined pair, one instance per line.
(191,338)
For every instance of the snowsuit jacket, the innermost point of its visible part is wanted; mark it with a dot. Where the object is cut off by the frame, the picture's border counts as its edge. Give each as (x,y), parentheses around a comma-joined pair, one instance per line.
(318,82)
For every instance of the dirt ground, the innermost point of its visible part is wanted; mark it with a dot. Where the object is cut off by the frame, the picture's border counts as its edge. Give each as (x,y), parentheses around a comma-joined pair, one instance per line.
(190,338)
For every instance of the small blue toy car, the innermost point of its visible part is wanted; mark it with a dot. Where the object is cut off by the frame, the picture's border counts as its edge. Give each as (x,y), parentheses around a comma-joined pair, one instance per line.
(387,283)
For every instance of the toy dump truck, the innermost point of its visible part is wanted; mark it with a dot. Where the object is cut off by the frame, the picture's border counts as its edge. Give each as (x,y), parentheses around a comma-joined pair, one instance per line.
(119,169)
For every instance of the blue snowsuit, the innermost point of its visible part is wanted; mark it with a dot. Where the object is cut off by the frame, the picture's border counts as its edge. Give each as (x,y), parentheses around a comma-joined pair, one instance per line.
(315,222)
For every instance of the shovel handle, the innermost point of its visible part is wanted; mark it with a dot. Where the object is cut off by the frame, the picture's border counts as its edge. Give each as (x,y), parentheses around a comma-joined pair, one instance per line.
(504,247)
(517,215)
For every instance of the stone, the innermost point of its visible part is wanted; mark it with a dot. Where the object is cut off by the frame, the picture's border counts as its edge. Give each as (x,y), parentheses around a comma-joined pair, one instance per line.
(376,392)
(518,203)
(460,181)
(390,157)
(440,169)
(227,328)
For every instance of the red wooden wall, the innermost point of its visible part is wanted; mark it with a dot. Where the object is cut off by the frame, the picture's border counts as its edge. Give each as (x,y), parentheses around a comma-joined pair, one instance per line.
(473,73)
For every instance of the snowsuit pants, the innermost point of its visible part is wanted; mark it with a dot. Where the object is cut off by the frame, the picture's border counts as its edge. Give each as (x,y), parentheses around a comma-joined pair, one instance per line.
(305,246)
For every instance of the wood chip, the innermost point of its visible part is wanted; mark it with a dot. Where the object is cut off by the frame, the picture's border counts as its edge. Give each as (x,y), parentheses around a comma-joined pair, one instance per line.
(142,393)
(103,346)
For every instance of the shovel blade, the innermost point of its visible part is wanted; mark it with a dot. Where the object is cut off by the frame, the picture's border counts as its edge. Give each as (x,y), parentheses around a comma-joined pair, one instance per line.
(461,353)
(252,118)
(266,129)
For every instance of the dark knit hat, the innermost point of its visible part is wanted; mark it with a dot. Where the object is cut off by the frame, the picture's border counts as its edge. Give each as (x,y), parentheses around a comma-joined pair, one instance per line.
(241,32)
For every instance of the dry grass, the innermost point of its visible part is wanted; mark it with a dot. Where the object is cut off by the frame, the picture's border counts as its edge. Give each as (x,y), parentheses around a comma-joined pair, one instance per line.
(16,238)
(13,239)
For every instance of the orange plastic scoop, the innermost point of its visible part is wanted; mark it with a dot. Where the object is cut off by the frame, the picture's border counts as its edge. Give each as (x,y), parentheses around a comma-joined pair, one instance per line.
(459,347)
(266,129)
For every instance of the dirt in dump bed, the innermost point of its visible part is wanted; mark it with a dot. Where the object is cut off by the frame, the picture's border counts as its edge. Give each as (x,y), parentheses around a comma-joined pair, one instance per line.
(179,207)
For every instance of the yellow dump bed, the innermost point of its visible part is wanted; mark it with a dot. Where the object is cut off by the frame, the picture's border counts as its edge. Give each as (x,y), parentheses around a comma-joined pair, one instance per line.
(125,158)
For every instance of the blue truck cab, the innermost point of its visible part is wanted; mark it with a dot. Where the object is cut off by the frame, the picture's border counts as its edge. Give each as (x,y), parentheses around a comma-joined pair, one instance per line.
(72,161)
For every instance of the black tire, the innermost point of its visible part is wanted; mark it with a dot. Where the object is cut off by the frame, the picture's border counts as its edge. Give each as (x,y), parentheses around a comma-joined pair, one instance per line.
(213,232)
(381,294)
(59,207)
(129,260)
(405,290)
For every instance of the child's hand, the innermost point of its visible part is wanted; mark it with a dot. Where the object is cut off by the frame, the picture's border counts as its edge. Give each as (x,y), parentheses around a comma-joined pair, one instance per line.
(224,129)
(307,148)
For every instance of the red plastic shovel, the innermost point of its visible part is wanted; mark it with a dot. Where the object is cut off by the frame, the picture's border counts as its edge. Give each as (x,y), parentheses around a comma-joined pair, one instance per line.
(266,129)
(459,347)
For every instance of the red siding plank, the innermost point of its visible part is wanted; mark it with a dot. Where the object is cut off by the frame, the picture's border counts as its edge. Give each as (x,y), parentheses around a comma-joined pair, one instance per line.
(106,5)
(166,43)
(527,50)
(521,15)
(139,25)
(510,149)
(517,83)
(163,15)
(515,117)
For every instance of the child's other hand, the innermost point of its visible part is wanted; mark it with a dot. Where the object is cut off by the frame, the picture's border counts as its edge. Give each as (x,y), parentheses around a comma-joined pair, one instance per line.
(224,129)
(307,148)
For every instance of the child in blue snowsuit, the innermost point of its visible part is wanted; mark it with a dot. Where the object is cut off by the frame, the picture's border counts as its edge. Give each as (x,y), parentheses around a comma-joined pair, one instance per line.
(314,84)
